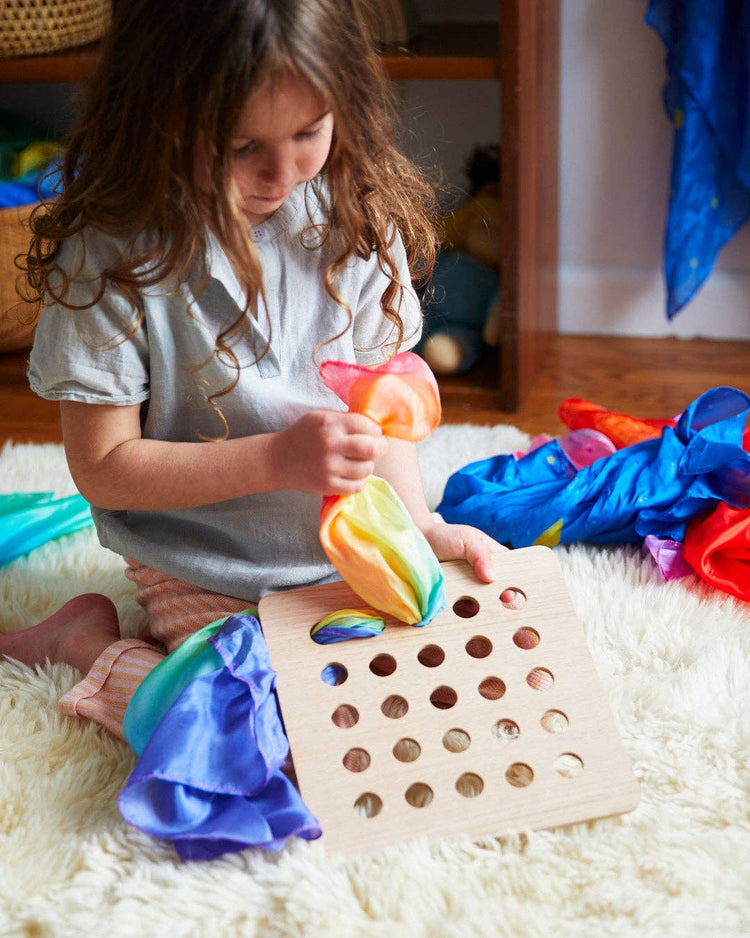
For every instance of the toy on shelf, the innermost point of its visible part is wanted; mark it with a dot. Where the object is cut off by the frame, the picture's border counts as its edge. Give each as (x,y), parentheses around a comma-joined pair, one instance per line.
(462,304)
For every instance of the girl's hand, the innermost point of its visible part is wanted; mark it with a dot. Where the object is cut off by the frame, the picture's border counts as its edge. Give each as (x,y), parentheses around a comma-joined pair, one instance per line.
(462,542)
(327,452)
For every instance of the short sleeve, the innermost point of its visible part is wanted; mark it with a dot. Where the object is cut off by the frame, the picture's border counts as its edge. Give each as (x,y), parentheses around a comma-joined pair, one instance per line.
(375,336)
(96,355)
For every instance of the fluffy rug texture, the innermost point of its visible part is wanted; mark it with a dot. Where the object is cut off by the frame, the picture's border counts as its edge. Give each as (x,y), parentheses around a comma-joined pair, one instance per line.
(673,658)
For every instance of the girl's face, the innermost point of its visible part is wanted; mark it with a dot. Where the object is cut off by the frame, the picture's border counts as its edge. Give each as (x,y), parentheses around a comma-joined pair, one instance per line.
(282,138)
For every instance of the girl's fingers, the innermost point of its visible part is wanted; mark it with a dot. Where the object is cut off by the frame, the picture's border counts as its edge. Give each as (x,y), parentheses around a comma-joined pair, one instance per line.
(478,553)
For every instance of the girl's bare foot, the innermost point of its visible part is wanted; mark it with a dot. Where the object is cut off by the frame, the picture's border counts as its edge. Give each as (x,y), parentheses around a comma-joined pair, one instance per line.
(76,634)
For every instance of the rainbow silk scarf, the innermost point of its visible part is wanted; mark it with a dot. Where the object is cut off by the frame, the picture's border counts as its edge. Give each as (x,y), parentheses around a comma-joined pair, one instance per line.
(369,536)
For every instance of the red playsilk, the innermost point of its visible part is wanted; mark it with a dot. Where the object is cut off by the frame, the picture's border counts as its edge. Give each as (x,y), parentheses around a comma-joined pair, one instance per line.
(622,429)
(718,548)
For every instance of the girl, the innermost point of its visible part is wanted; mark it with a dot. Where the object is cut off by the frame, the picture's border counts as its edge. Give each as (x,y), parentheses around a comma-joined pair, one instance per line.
(233,211)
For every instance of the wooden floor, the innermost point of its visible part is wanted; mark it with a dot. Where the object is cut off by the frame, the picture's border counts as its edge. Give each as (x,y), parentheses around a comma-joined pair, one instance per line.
(644,377)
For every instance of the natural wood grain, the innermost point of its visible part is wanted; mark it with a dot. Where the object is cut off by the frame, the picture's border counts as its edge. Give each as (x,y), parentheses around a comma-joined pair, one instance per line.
(440,51)
(501,709)
(67,65)
(529,87)
(646,377)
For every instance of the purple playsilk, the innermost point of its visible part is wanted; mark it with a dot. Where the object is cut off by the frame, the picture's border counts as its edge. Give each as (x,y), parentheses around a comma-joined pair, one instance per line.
(209,777)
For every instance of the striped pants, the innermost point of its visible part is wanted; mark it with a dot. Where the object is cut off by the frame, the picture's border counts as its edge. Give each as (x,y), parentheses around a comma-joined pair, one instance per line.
(175,611)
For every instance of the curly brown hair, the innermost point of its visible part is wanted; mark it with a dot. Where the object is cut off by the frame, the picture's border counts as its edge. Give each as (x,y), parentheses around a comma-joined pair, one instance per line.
(175,74)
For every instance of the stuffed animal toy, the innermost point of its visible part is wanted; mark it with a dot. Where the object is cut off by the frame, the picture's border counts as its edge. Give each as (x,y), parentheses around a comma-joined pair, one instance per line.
(462,303)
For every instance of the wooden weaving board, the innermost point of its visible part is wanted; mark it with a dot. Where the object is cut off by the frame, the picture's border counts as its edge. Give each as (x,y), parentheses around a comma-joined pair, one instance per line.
(488,720)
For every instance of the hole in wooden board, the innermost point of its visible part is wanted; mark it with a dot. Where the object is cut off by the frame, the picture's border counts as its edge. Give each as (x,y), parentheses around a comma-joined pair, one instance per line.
(519,775)
(368,805)
(513,598)
(419,795)
(478,647)
(554,721)
(466,607)
(443,697)
(526,638)
(334,674)
(356,760)
(407,750)
(431,656)
(394,707)
(540,679)
(383,665)
(469,785)
(569,765)
(456,740)
(492,688)
(506,730)
(345,716)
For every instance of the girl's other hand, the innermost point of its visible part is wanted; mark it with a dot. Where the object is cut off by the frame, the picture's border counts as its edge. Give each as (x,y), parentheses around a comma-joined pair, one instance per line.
(463,542)
(327,452)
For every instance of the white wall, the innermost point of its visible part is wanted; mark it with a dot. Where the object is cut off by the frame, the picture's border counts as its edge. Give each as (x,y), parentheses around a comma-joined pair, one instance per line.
(615,154)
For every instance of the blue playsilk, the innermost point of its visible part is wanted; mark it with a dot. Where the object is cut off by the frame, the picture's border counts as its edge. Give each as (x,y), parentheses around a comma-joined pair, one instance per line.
(708,100)
(31,187)
(654,487)
(209,775)
(29,519)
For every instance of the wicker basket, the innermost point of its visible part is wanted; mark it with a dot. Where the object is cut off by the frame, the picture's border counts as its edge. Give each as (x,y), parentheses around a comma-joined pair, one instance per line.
(31,27)
(16,317)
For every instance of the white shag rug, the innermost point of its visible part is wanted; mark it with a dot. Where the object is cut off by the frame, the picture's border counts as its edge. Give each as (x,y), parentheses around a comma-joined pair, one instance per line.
(673,658)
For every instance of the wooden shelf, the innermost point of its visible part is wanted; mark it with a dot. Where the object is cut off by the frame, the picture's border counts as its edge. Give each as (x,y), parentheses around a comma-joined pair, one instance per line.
(445,51)
(522,55)
(441,51)
(70,65)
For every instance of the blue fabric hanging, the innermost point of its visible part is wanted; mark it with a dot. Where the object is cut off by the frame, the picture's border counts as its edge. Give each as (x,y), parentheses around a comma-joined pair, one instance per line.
(707,98)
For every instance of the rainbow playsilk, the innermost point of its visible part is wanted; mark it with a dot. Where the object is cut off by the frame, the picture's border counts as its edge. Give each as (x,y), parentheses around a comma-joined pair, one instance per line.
(206,725)
(345,624)
(369,536)
(654,487)
(29,519)
(708,101)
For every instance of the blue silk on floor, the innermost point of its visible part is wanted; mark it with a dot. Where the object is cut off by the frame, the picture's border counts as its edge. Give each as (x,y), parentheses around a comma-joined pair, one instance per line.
(707,98)
(654,487)
(29,519)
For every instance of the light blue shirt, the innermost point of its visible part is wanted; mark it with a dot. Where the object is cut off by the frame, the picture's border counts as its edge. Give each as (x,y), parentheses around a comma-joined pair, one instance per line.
(250,546)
